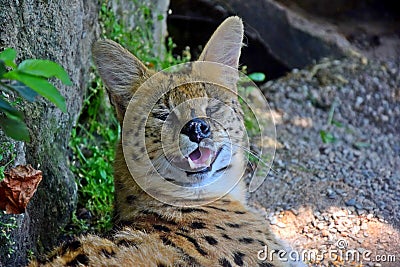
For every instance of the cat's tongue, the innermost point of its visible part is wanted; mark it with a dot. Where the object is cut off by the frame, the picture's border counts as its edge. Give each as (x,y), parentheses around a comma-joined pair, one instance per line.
(201,157)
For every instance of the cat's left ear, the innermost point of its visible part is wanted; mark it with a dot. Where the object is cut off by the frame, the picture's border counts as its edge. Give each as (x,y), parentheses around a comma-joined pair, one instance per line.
(225,44)
(121,72)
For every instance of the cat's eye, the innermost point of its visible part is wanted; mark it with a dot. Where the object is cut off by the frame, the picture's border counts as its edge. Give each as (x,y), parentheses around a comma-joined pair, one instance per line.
(210,110)
(161,115)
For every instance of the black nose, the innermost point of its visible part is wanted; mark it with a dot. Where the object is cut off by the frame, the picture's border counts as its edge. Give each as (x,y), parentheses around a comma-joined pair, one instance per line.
(197,129)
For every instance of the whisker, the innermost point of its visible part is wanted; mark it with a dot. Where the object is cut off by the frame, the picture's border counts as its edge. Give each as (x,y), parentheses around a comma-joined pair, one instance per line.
(257,157)
(253,153)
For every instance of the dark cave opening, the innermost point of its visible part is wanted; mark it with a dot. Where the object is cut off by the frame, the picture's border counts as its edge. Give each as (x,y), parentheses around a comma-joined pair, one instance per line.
(192,24)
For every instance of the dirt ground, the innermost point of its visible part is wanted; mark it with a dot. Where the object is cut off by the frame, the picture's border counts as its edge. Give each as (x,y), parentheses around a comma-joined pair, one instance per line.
(342,195)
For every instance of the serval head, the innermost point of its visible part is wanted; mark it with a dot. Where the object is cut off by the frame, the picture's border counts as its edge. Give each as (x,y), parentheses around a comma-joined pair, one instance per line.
(183,127)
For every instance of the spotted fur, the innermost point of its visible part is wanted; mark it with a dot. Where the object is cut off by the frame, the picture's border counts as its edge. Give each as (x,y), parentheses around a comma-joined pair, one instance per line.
(148,232)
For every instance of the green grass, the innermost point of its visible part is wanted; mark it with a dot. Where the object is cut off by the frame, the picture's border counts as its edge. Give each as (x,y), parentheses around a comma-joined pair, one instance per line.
(6,150)
(140,41)
(93,145)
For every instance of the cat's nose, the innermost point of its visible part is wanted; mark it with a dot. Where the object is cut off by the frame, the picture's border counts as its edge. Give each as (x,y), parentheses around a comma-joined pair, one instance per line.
(196,129)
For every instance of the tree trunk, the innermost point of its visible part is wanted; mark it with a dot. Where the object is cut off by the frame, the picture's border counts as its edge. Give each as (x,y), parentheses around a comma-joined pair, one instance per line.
(62,33)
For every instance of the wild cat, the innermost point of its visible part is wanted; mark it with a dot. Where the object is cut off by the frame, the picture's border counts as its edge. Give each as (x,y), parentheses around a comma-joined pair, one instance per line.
(206,121)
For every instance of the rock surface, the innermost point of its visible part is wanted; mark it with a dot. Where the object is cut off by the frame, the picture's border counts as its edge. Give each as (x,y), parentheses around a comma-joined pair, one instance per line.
(64,34)
(372,27)
(287,34)
(282,38)
(132,14)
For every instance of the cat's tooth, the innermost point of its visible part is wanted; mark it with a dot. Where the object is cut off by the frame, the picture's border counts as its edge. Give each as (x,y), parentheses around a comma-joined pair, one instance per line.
(191,163)
(208,162)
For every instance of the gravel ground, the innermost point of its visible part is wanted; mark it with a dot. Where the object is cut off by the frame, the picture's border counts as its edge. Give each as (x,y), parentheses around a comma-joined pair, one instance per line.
(343,194)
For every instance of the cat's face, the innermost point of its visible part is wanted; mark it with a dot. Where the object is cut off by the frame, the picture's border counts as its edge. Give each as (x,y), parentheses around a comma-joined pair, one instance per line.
(193,133)
(184,126)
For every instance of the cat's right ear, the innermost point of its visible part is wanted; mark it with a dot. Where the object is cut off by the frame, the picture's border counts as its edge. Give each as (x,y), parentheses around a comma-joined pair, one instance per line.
(121,72)
(225,44)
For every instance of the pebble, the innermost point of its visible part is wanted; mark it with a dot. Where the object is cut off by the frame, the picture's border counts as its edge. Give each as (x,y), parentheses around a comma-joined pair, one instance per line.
(341,228)
(361,212)
(325,233)
(331,194)
(358,205)
(281,225)
(340,213)
(351,209)
(351,202)
(294,211)
(320,226)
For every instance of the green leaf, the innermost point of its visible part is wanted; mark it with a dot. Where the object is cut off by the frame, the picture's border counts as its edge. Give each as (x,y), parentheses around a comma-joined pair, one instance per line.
(327,137)
(8,56)
(250,89)
(360,145)
(337,124)
(44,68)
(25,91)
(2,168)
(257,76)
(15,129)
(9,110)
(2,68)
(103,174)
(40,85)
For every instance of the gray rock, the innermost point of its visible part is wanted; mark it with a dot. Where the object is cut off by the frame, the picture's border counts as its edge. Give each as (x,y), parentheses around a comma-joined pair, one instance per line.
(62,33)
(351,202)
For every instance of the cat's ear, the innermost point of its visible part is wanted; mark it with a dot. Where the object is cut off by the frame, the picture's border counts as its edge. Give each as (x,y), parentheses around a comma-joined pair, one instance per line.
(225,44)
(121,72)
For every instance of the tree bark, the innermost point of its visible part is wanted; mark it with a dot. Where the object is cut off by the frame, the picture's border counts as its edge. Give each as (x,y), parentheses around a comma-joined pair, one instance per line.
(62,33)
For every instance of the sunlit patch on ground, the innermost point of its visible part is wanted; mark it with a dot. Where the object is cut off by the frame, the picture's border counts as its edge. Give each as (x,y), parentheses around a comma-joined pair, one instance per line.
(352,240)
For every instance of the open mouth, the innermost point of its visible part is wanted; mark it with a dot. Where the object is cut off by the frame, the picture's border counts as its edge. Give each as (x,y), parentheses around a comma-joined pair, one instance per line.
(203,159)
(200,160)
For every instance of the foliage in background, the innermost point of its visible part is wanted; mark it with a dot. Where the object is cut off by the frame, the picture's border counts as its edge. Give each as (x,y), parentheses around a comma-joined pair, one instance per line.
(326,136)
(252,125)
(26,80)
(140,41)
(7,225)
(93,145)
(94,139)
(6,148)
